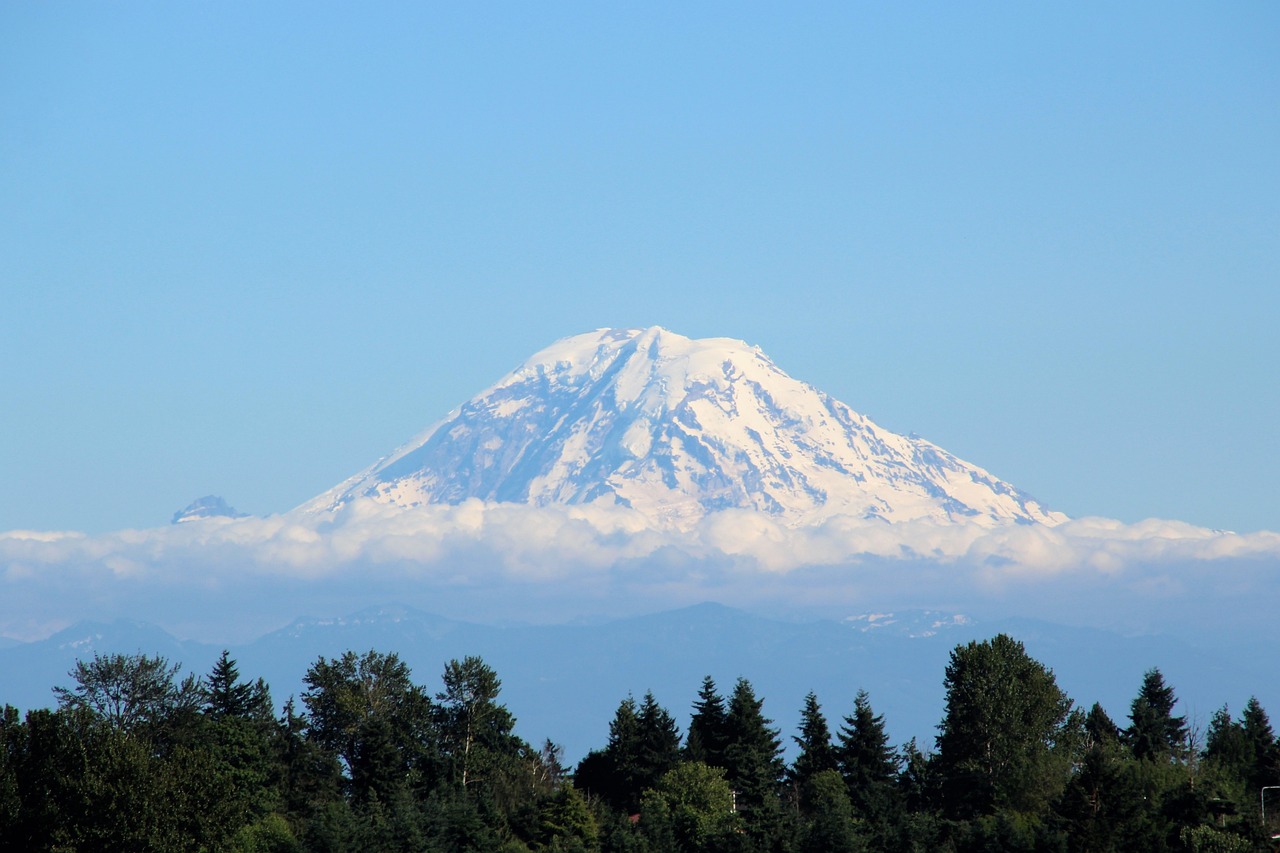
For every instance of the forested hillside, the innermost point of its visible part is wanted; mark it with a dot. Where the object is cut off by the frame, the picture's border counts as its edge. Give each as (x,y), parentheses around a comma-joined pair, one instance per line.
(137,757)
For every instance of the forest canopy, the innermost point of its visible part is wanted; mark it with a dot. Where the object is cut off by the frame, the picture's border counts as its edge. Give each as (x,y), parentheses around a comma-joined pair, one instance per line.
(138,757)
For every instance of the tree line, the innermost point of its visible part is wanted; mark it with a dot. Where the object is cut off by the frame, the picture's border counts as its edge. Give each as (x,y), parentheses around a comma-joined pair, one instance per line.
(136,757)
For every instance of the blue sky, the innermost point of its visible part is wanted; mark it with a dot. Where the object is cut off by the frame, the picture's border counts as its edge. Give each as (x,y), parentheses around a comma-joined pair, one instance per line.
(246,249)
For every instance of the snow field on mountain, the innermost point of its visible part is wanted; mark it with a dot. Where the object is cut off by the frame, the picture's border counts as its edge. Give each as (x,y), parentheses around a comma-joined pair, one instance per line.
(678,428)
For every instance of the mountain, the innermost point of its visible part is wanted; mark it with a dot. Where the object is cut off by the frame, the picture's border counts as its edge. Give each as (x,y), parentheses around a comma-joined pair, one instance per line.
(677,428)
(209,506)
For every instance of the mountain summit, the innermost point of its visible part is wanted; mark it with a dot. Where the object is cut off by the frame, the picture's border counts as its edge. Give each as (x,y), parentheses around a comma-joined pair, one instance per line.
(676,428)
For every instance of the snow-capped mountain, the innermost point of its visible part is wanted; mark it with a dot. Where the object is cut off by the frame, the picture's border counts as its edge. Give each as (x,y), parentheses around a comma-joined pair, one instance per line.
(677,428)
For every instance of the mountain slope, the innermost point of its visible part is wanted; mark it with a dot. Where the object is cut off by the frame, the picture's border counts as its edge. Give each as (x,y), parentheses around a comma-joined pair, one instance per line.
(676,428)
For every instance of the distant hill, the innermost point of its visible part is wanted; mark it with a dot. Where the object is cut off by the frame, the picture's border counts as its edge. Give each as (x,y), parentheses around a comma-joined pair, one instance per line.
(565,681)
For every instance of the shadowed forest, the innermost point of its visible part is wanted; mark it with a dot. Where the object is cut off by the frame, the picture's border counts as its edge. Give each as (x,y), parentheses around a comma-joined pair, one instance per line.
(136,757)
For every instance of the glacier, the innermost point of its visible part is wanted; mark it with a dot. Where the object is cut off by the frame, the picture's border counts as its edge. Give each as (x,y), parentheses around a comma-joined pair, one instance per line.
(675,429)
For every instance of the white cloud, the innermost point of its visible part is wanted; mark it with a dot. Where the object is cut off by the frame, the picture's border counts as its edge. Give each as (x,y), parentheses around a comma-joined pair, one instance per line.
(525,559)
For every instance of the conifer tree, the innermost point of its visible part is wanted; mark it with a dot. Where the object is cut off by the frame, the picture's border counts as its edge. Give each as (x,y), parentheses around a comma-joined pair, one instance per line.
(706,740)
(867,762)
(658,742)
(225,695)
(816,751)
(753,763)
(1264,754)
(1154,732)
(1099,729)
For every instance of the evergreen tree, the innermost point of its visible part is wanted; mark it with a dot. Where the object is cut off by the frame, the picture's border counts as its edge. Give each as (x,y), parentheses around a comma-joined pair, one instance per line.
(1154,733)
(754,766)
(658,743)
(1226,746)
(644,744)
(225,695)
(816,751)
(1263,753)
(1099,729)
(867,762)
(706,741)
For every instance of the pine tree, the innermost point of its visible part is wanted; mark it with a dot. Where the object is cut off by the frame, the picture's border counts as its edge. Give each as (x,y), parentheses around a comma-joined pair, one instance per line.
(658,743)
(1099,729)
(1154,733)
(706,739)
(1263,753)
(867,762)
(816,751)
(643,744)
(753,764)
(225,695)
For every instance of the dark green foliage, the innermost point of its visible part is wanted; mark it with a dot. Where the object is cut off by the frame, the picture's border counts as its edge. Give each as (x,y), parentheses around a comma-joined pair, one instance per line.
(1004,715)
(136,759)
(868,764)
(753,766)
(366,711)
(644,744)
(817,754)
(830,827)
(128,692)
(690,809)
(706,740)
(1154,733)
(1099,730)
(225,695)
(1262,752)
(476,729)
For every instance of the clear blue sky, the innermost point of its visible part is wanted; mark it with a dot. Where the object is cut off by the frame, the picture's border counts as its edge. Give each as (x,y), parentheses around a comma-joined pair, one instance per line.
(246,249)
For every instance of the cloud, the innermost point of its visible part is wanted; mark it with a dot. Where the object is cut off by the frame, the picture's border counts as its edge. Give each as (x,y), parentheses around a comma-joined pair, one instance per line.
(535,563)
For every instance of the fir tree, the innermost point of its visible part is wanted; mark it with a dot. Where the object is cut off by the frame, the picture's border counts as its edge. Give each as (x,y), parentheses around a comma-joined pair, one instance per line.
(816,752)
(706,739)
(754,766)
(867,762)
(1154,733)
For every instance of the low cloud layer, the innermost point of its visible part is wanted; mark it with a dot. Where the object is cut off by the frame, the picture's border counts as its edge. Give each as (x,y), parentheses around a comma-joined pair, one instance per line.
(223,579)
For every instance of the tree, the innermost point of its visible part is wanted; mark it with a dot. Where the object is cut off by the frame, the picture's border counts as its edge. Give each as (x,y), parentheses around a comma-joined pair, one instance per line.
(128,691)
(470,715)
(1154,733)
(830,829)
(689,809)
(1003,715)
(644,744)
(706,740)
(610,773)
(867,762)
(367,711)
(816,751)
(225,695)
(1263,753)
(753,764)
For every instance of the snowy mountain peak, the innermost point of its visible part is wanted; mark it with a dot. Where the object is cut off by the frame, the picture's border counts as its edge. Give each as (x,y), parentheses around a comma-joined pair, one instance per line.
(677,428)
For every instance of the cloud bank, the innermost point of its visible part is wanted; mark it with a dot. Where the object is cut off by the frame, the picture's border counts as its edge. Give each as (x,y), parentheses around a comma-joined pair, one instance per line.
(220,578)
